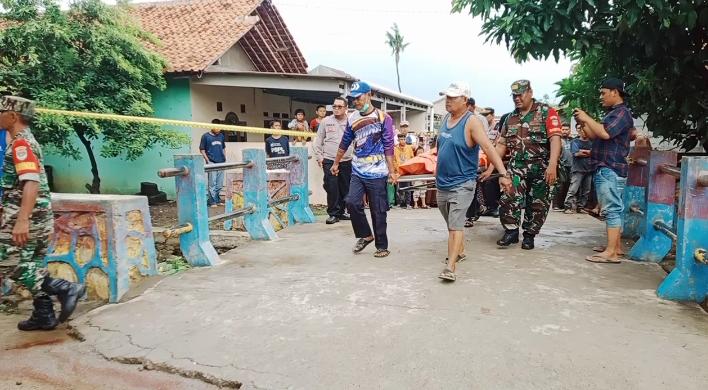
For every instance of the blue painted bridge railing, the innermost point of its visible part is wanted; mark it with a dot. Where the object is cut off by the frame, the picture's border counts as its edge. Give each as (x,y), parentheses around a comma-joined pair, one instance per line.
(685,225)
(190,173)
(635,193)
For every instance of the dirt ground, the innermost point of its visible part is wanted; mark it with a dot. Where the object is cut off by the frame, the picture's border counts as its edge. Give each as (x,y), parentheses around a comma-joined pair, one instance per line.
(164,215)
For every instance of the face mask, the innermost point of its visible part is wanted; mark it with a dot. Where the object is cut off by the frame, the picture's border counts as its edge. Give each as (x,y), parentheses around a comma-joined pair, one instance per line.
(365,108)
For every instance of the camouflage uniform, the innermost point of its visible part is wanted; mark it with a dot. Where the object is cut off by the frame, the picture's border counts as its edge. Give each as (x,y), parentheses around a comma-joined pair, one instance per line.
(24,162)
(528,140)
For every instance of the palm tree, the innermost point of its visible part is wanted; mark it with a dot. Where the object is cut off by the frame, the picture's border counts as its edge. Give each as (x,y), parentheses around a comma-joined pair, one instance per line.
(394,40)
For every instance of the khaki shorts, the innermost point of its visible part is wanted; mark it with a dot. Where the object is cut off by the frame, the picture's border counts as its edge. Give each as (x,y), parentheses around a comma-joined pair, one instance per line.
(453,204)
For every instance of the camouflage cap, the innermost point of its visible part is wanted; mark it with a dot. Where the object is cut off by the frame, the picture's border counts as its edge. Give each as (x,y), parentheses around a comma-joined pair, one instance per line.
(520,86)
(22,106)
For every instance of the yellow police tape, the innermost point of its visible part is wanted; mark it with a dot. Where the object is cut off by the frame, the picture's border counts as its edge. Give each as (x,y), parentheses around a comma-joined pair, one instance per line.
(171,122)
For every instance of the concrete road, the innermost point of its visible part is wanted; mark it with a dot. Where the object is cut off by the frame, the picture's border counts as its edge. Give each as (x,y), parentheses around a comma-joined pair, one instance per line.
(54,360)
(304,312)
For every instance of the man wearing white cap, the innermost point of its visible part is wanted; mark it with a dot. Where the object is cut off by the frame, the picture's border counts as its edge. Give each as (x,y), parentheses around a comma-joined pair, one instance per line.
(459,141)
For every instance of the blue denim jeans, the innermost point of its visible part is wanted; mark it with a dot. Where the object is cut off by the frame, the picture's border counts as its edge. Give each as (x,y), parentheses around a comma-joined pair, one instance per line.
(216,183)
(610,188)
(375,190)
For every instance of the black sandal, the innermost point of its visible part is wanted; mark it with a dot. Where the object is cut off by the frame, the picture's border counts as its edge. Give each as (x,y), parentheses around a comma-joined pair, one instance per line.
(361,244)
(460,258)
(382,253)
(447,275)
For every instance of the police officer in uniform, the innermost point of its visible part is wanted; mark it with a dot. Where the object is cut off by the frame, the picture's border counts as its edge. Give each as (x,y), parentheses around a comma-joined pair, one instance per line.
(27,222)
(532,133)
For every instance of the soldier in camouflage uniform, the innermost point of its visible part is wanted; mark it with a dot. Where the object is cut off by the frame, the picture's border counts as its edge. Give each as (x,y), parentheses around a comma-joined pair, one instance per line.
(532,133)
(27,222)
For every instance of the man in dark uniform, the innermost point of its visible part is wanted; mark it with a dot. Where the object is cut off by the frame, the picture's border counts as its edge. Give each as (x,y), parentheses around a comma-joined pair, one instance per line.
(27,221)
(532,133)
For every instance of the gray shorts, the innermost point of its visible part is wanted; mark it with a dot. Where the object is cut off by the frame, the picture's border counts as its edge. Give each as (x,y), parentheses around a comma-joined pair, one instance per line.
(453,204)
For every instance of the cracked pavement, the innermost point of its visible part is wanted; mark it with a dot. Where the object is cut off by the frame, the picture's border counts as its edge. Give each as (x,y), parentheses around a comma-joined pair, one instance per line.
(304,312)
(54,360)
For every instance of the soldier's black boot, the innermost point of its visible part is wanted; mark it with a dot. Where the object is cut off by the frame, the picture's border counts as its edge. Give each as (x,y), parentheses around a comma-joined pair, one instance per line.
(43,317)
(527,242)
(67,293)
(510,237)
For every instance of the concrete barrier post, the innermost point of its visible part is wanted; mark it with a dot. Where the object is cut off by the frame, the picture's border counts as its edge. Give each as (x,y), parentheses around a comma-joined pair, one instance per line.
(635,192)
(299,210)
(104,241)
(229,204)
(689,279)
(255,192)
(654,245)
(192,208)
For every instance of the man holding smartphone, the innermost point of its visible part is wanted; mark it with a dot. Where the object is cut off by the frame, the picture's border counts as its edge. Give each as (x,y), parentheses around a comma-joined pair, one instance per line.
(608,155)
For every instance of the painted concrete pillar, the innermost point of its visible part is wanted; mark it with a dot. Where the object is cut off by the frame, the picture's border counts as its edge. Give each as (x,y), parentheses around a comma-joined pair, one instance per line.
(192,208)
(689,279)
(654,245)
(229,204)
(104,241)
(299,210)
(255,192)
(635,192)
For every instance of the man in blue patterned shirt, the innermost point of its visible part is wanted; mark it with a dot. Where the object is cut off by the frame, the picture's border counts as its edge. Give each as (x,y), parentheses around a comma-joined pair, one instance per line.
(371,131)
(608,155)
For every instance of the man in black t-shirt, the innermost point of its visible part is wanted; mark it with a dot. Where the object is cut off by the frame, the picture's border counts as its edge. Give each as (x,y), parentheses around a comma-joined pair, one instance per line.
(277,145)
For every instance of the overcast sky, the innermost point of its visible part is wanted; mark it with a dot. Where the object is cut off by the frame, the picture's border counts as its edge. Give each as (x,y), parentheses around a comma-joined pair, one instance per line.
(443,48)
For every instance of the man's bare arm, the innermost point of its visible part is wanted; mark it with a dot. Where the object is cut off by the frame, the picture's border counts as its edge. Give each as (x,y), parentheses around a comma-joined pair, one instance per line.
(20,232)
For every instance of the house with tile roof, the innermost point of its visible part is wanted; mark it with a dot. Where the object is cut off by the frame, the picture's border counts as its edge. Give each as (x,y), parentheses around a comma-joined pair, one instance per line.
(232,60)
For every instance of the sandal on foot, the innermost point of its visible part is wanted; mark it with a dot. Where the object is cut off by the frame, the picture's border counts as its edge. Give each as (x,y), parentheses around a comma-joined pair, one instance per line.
(361,244)
(602,260)
(469,222)
(602,249)
(460,258)
(381,253)
(447,274)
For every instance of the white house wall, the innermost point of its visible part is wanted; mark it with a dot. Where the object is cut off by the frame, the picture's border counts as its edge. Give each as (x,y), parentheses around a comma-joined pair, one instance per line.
(439,107)
(270,81)
(204,107)
(204,100)
(235,58)
(417,120)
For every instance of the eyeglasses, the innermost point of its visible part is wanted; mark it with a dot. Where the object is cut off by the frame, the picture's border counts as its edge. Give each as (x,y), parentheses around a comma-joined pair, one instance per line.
(338,106)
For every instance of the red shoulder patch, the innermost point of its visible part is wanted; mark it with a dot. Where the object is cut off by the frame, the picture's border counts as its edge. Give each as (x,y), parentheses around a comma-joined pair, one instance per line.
(25,159)
(553,123)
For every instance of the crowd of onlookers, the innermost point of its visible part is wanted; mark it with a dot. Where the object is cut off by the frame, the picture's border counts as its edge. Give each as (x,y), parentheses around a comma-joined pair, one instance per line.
(538,164)
(410,143)
(573,190)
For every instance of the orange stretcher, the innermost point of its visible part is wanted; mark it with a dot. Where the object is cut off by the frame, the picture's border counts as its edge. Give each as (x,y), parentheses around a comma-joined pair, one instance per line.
(420,165)
(426,163)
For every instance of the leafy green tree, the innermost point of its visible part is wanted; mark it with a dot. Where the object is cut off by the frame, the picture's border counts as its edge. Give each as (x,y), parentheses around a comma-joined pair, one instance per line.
(581,88)
(658,47)
(394,40)
(89,58)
